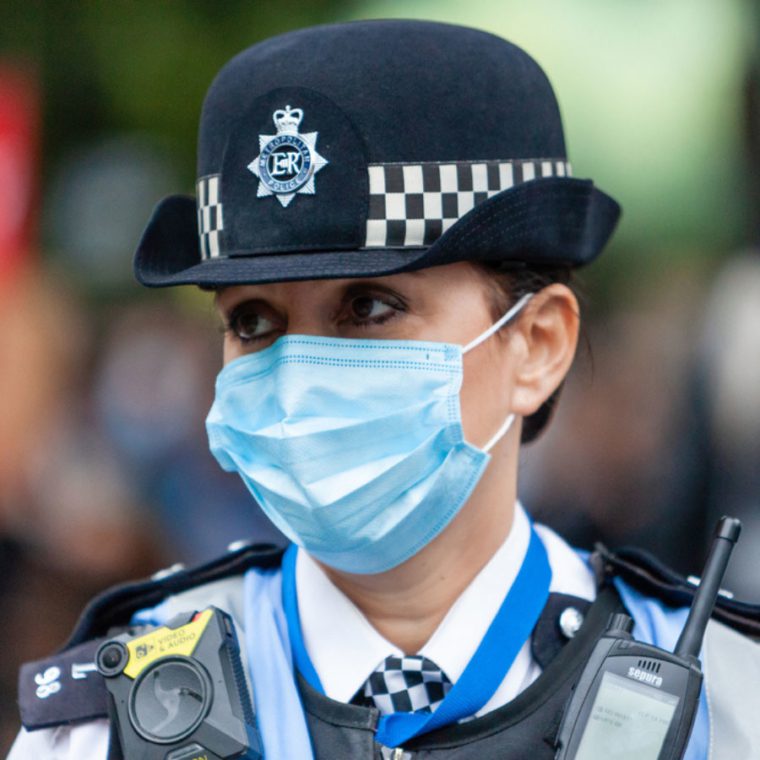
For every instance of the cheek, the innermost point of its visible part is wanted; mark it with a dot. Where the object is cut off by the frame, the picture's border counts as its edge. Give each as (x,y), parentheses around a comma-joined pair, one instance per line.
(231,349)
(486,390)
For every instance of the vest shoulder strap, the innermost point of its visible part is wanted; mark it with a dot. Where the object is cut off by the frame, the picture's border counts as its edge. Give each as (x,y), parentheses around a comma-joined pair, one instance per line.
(647,574)
(116,606)
(66,687)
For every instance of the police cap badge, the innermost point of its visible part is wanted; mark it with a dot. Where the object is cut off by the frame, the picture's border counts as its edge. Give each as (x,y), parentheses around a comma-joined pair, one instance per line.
(288,161)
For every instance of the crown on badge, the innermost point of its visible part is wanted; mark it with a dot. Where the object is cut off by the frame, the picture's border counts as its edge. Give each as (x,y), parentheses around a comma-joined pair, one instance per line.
(288,120)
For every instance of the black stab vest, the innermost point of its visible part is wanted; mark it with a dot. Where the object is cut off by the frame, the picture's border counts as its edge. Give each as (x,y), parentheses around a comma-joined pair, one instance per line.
(526,726)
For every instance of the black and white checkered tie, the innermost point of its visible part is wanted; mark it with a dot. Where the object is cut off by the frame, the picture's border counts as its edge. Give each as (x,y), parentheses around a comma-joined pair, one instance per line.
(412,683)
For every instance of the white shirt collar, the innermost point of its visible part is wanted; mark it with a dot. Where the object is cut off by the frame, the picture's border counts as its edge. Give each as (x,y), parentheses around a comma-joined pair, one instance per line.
(344,648)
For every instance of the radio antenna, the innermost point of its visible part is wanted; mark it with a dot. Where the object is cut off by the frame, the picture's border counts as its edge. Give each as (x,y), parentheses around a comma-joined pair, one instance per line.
(726,535)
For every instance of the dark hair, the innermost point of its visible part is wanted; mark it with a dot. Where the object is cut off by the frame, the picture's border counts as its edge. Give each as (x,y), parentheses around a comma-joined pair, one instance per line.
(511,283)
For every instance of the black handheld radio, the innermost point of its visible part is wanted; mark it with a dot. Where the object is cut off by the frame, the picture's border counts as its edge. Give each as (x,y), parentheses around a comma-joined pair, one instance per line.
(635,701)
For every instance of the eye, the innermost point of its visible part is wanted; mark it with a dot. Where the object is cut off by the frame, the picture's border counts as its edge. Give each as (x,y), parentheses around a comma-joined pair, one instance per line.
(247,323)
(369,309)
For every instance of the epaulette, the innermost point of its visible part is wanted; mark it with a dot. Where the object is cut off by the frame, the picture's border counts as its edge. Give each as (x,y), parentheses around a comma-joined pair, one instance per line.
(648,575)
(117,605)
(66,687)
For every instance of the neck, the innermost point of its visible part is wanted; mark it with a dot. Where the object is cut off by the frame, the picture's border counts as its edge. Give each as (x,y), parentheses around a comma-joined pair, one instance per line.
(407,603)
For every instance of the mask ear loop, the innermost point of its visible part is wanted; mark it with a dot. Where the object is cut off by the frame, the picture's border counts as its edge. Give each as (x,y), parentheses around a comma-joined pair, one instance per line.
(500,433)
(516,309)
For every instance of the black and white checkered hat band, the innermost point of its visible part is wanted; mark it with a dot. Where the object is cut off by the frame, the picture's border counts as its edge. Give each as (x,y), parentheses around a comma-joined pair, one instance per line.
(410,205)
(210,219)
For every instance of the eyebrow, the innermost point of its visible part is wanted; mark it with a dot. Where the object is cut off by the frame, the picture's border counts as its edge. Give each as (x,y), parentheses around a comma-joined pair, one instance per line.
(365,281)
(363,286)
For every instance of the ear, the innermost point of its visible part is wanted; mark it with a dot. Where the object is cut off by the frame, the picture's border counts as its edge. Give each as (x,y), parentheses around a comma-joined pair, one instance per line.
(543,342)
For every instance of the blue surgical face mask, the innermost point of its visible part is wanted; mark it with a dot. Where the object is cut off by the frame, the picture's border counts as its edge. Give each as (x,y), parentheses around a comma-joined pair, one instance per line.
(353,448)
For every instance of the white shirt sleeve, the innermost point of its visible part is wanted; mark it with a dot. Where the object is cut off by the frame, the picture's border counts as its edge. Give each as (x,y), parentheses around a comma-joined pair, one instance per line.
(87,741)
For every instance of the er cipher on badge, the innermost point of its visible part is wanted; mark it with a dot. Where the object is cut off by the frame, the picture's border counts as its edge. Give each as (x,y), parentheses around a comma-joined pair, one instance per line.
(287,161)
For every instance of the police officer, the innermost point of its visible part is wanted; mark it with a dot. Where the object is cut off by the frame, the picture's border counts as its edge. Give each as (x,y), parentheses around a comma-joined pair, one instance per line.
(388,217)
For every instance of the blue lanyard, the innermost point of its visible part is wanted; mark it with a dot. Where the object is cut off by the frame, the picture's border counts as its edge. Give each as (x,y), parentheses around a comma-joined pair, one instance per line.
(510,628)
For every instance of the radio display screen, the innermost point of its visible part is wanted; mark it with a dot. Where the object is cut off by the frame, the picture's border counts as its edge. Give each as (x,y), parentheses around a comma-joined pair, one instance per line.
(628,721)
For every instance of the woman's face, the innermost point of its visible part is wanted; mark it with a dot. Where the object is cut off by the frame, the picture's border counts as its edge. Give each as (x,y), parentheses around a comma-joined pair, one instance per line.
(450,304)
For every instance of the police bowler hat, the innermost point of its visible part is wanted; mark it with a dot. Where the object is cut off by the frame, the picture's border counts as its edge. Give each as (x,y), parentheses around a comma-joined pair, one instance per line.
(375,147)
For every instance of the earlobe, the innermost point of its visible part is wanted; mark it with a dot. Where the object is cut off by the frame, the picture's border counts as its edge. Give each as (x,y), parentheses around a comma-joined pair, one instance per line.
(548,331)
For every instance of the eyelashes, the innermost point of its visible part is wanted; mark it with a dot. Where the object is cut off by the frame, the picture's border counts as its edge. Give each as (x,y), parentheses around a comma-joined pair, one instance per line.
(247,324)
(368,311)
(361,302)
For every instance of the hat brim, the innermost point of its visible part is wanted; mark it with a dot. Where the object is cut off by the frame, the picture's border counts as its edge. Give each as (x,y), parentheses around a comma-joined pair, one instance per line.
(551,221)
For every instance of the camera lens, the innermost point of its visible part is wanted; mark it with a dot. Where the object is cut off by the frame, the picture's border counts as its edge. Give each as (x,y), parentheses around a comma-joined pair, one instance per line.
(169,700)
(111,658)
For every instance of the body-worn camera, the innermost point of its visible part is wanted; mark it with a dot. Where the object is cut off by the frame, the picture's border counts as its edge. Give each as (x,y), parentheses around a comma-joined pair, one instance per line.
(178,692)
